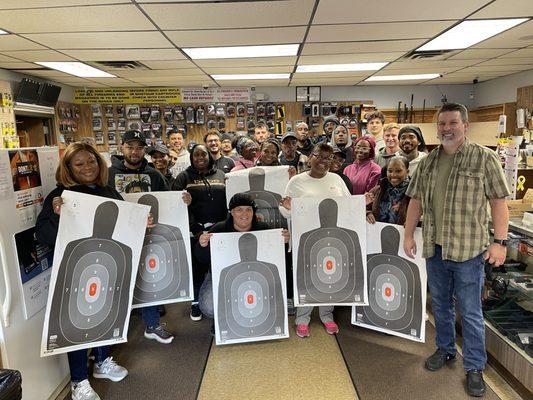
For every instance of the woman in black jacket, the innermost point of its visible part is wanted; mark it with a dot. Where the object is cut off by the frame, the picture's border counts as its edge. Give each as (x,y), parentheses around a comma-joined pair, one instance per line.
(207,187)
(81,169)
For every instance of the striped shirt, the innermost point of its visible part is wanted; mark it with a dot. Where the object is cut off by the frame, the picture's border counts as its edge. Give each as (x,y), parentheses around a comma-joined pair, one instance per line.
(476,176)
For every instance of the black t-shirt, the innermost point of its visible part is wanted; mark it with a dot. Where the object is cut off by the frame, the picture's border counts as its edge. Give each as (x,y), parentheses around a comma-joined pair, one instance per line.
(225,164)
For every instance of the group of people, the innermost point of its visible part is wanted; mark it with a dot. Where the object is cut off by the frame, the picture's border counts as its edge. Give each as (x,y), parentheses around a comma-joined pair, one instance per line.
(449,186)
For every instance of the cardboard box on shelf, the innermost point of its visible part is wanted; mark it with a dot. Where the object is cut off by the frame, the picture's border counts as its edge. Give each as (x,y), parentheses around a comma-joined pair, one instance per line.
(517,208)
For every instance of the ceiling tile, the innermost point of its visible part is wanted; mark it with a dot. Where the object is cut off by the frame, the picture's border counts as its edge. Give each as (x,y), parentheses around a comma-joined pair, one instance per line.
(325,82)
(361,47)
(395,69)
(237,37)
(172,82)
(249,70)
(177,78)
(8,59)
(505,9)
(75,19)
(519,36)
(45,73)
(408,63)
(346,11)
(38,55)
(520,53)
(13,42)
(528,61)
(113,81)
(168,64)
(261,82)
(470,54)
(508,69)
(231,14)
(382,31)
(17,4)
(391,83)
(84,84)
(101,40)
(18,65)
(349,58)
(247,62)
(126,55)
(159,73)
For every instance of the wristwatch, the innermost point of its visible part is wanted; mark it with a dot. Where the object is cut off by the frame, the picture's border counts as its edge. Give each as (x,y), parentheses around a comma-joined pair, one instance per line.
(503,242)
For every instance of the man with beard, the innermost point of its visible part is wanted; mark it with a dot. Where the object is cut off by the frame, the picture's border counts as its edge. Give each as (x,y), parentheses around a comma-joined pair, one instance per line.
(131,170)
(161,161)
(213,143)
(452,187)
(341,139)
(412,146)
(305,144)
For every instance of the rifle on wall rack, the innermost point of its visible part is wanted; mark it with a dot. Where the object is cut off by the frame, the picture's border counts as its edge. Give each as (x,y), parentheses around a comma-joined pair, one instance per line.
(399,114)
(411,109)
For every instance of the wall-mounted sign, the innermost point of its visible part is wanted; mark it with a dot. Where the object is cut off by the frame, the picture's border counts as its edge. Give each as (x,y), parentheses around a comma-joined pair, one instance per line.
(215,95)
(168,95)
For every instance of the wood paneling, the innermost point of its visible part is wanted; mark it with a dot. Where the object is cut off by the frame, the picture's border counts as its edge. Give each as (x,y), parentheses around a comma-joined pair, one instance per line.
(524,97)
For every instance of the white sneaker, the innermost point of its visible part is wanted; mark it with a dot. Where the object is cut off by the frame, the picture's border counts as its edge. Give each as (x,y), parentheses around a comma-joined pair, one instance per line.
(83,391)
(109,369)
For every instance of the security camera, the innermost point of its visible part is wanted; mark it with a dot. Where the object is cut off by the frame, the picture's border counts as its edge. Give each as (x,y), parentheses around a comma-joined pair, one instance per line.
(205,86)
(475,81)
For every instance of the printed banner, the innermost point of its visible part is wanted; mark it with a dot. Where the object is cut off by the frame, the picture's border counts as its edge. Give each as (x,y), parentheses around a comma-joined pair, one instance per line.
(168,95)
(329,247)
(249,286)
(216,95)
(96,257)
(396,285)
(165,269)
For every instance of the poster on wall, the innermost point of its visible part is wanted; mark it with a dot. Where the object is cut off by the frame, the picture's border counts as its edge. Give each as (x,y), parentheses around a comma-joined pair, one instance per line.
(396,285)
(95,264)
(266,186)
(216,95)
(249,286)
(329,247)
(165,268)
(35,262)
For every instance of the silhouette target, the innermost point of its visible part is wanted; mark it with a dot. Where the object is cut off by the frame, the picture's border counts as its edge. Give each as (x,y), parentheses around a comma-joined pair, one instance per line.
(330,263)
(163,268)
(267,202)
(394,289)
(250,296)
(91,296)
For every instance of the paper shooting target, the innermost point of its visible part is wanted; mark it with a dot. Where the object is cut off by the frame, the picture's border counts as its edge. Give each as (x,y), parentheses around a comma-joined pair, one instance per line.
(91,297)
(267,202)
(250,297)
(163,268)
(394,290)
(330,264)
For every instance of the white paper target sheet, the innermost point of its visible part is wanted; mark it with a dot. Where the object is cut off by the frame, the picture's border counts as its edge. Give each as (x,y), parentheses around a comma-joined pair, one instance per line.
(249,286)
(93,275)
(396,285)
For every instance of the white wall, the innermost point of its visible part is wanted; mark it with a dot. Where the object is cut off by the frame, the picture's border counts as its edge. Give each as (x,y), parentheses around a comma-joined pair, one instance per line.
(67,92)
(382,96)
(502,90)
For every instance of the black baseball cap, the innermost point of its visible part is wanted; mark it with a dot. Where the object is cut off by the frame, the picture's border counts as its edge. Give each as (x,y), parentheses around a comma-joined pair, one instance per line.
(132,135)
(157,148)
(287,136)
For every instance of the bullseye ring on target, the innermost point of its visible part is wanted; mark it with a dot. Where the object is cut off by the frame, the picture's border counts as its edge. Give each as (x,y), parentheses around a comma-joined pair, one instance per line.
(329,259)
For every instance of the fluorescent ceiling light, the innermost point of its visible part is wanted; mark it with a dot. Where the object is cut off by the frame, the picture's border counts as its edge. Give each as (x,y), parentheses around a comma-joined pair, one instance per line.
(2,32)
(278,50)
(341,67)
(402,77)
(250,77)
(77,69)
(468,33)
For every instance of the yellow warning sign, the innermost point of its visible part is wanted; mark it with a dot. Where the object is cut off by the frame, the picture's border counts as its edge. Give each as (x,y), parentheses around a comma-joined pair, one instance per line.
(158,95)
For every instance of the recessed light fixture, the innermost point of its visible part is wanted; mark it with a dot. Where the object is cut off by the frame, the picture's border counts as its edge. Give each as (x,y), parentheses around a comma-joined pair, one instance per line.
(279,50)
(468,33)
(401,77)
(77,69)
(250,77)
(341,67)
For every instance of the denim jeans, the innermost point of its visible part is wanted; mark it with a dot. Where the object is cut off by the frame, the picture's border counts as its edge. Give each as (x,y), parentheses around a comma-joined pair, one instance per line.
(77,362)
(464,280)
(205,298)
(150,316)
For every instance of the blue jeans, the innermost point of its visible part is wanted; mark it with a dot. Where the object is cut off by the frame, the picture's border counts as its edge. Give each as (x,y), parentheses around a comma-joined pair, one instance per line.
(464,280)
(77,362)
(150,316)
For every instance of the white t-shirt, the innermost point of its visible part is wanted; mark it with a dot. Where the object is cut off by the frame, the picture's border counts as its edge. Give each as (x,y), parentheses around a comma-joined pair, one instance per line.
(183,161)
(303,185)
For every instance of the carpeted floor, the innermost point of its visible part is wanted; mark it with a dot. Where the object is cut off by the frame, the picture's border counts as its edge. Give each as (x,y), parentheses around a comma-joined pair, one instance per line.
(162,371)
(387,367)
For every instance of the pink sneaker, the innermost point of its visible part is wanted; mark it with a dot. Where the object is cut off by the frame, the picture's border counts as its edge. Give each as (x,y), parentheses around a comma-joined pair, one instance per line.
(331,327)
(302,330)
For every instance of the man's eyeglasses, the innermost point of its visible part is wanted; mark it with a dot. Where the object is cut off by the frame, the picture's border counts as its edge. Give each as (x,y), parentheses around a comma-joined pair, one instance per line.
(323,158)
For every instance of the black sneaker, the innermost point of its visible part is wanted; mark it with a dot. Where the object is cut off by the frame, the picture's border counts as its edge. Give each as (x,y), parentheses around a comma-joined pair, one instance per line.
(196,314)
(212,331)
(475,385)
(438,359)
(159,333)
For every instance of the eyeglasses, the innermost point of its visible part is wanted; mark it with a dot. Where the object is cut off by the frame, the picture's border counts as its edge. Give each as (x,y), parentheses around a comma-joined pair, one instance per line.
(323,158)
